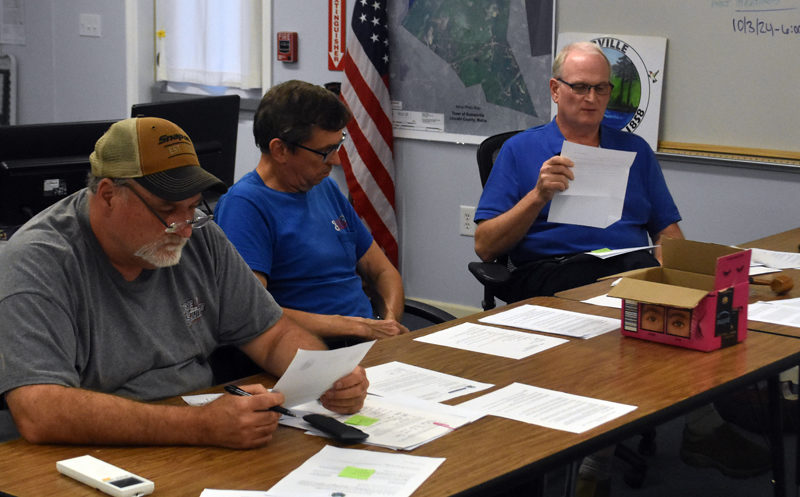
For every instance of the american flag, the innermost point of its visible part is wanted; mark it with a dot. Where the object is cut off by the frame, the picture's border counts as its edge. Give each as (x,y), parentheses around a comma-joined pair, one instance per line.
(367,158)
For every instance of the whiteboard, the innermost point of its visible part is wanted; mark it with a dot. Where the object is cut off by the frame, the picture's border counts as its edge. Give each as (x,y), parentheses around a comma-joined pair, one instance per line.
(732,73)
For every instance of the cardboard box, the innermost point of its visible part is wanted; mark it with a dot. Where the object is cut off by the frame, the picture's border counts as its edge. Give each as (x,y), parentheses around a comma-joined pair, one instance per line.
(696,299)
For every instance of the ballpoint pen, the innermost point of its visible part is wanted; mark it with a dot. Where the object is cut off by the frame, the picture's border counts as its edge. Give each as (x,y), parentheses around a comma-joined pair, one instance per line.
(233,389)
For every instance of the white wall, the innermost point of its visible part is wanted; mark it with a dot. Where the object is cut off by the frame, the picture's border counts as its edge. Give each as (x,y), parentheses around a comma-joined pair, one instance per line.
(64,77)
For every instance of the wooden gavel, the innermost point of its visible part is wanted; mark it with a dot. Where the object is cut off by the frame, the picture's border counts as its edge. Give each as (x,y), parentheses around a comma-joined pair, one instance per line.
(780,284)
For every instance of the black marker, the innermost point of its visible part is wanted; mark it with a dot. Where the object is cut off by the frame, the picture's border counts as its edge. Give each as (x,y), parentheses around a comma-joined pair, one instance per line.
(233,389)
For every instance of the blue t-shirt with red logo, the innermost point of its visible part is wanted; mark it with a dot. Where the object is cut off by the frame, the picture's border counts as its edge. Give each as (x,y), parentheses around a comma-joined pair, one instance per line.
(307,244)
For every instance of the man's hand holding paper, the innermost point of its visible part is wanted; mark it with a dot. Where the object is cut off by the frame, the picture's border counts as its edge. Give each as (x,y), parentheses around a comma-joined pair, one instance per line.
(347,395)
(333,376)
(554,176)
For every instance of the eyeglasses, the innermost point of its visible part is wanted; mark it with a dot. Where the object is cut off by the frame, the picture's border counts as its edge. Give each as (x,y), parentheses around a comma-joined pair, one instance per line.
(200,219)
(584,88)
(326,155)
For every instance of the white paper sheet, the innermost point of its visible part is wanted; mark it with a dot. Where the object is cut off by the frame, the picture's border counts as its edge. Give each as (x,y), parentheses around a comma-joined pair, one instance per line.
(395,423)
(201,399)
(556,321)
(782,312)
(609,253)
(757,269)
(491,340)
(605,301)
(356,473)
(397,378)
(213,492)
(596,196)
(548,408)
(774,259)
(312,372)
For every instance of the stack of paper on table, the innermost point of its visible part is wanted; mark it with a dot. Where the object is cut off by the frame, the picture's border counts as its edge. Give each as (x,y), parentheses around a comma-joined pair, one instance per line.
(394,423)
(555,321)
(356,473)
(347,472)
(400,379)
(783,312)
(775,259)
(548,408)
(491,340)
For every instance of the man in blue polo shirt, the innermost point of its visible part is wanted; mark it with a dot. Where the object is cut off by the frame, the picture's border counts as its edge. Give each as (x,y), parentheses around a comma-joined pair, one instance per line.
(512,219)
(529,170)
(299,234)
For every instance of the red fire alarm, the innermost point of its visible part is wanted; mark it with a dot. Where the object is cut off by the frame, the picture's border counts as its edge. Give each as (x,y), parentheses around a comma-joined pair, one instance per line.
(287,46)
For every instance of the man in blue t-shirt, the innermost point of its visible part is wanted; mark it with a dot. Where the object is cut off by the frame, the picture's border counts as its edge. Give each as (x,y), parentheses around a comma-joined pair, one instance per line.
(529,170)
(298,233)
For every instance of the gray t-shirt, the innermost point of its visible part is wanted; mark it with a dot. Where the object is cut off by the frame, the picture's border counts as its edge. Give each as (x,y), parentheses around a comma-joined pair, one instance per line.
(69,318)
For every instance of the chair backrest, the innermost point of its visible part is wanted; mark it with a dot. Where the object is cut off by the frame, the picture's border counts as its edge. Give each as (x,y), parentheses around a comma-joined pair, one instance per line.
(487,153)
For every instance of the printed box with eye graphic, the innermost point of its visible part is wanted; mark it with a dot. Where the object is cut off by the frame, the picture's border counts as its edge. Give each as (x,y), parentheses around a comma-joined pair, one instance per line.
(697,299)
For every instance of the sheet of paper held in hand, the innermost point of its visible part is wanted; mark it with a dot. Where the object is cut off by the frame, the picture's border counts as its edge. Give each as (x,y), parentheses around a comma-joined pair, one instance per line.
(356,473)
(556,321)
(491,340)
(596,195)
(312,372)
(309,375)
(548,408)
(397,378)
(401,423)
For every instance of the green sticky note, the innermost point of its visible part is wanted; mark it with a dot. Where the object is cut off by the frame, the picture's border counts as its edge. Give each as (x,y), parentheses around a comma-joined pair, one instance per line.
(359,420)
(600,251)
(356,473)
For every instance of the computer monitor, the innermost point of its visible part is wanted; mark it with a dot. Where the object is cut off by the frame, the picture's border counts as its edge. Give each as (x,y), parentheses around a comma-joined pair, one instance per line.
(211,122)
(43,163)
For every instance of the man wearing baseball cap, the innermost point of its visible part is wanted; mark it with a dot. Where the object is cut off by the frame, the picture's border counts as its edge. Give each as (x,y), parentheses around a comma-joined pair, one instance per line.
(119,293)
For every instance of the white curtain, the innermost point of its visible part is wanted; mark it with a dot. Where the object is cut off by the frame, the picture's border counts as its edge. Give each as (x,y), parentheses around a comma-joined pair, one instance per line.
(209,42)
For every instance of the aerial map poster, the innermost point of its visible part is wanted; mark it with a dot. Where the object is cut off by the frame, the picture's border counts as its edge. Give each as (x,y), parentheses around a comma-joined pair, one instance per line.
(462,70)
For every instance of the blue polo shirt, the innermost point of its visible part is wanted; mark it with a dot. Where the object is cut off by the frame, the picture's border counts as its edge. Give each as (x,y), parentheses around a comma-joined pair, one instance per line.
(647,210)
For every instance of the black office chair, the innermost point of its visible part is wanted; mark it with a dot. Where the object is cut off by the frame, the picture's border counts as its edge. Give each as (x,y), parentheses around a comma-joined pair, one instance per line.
(495,275)
(418,315)
(492,275)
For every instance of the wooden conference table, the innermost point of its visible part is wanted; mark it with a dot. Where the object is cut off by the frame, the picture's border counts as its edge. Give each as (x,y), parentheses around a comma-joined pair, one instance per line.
(662,381)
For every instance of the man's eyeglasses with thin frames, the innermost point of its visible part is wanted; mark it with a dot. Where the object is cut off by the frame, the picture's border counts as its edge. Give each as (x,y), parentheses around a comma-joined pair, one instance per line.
(198,222)
(326,155)
(584,88)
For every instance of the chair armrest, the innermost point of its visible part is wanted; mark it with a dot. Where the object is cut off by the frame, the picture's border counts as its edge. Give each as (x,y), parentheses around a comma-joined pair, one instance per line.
(490,273)
(427,311)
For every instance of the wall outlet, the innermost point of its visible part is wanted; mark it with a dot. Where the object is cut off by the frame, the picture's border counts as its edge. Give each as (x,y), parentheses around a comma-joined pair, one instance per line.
(466,221)
(90,25)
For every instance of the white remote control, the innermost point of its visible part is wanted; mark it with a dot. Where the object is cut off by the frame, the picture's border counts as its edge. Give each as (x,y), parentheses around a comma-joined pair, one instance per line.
(105,477)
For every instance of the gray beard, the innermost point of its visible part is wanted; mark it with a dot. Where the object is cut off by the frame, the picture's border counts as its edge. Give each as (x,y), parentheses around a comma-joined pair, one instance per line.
(163,252)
